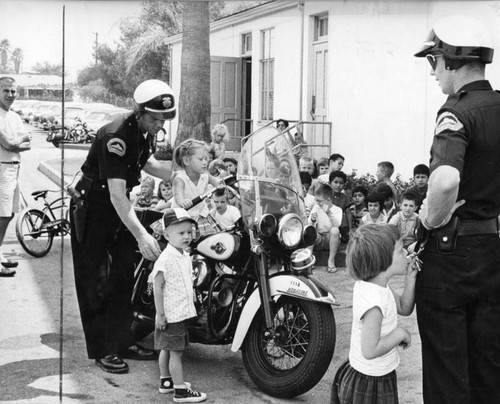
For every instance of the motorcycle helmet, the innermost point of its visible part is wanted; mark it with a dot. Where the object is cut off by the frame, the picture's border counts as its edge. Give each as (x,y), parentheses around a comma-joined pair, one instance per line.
(156,98)
(460,39)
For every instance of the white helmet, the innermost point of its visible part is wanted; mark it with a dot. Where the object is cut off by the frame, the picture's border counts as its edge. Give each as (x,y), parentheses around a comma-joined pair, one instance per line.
(156,98)
(459,38)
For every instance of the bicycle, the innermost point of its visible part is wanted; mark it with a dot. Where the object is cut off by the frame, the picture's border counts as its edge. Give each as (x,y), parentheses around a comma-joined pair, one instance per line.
(36,229)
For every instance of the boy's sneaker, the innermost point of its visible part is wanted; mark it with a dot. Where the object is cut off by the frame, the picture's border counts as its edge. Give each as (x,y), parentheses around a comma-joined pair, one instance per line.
(167,385)
(188,396)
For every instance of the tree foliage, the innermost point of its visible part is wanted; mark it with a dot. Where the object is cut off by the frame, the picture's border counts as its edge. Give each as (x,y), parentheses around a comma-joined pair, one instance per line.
(48,68)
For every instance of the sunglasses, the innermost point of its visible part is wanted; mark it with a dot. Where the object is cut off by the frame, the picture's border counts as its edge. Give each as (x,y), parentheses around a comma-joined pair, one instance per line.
(432,59)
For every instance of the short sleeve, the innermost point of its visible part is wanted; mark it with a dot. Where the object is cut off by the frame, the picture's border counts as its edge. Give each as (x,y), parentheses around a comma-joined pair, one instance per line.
(449,143)
(111,155)
(366,298)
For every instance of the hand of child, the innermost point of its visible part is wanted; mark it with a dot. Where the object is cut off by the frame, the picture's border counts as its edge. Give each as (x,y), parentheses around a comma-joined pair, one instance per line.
(186,205)
(314,217)
(161,321)
(406,339)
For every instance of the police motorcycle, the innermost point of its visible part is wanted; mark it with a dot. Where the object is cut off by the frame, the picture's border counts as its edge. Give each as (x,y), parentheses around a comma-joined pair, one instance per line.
(77,133)
(253,284)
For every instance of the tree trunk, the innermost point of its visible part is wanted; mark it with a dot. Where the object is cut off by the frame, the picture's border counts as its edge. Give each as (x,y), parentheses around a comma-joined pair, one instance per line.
(194,98)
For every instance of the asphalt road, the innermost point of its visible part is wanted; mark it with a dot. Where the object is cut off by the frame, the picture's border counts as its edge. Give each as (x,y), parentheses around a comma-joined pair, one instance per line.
(33,367)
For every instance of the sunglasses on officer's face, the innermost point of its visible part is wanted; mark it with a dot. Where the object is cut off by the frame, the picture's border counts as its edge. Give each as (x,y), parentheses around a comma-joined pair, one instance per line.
(432,59)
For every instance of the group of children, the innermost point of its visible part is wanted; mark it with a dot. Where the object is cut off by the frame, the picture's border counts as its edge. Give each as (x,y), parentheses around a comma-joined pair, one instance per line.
(343,213)
(380,234)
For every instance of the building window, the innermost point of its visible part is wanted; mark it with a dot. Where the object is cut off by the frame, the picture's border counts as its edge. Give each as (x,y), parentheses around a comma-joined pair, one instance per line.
(321,28)
(267,74)
(246,44)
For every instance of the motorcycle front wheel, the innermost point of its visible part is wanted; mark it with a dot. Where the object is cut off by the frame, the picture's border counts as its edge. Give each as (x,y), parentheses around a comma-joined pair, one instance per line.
(296,357)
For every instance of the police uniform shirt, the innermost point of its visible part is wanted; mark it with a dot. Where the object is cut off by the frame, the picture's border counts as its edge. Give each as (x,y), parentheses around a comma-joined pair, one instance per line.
(119,151)
(467,137)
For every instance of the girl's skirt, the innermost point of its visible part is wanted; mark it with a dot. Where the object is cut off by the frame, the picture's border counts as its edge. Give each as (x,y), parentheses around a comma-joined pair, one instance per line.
(352,387)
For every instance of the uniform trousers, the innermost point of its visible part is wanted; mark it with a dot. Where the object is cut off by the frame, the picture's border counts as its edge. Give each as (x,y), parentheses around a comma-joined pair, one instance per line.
(104,269)
(458,312)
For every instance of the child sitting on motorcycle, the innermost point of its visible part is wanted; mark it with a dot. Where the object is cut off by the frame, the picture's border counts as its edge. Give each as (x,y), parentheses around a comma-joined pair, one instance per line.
(146,198)
(164,196)
(375,254)
(192,179)
(173,294)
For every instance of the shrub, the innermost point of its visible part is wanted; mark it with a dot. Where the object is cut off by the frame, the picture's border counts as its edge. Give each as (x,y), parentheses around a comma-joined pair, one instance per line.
(369,182)
(164,152)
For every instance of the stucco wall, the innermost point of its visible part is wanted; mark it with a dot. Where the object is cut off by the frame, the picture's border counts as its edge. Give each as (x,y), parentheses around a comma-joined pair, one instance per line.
(382,100)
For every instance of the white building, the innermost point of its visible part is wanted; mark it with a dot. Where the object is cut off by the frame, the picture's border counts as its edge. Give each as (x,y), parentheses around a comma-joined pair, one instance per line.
(346,62)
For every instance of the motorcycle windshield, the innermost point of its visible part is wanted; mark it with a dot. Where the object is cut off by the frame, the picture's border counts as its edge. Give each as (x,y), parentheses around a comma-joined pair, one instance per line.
(268,177)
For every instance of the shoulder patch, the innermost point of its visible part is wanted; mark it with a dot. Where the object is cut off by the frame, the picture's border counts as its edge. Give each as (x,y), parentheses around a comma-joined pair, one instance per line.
(448,121)
(116,146)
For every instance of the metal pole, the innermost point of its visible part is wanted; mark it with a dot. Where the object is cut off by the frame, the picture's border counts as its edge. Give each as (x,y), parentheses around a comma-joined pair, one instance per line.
(61,290)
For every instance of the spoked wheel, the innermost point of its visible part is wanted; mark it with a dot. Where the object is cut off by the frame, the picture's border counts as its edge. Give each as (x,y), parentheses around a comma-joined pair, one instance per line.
(32,232)
(291,358)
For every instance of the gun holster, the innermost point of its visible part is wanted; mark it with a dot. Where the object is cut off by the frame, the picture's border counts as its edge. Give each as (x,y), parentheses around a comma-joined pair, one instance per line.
(446,236)
(80,207)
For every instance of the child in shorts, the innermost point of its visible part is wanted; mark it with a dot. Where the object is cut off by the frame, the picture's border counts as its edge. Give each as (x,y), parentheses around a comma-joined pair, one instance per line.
(173,292)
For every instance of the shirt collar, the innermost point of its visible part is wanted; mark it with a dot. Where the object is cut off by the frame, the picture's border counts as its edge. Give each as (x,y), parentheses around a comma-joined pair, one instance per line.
(174,252)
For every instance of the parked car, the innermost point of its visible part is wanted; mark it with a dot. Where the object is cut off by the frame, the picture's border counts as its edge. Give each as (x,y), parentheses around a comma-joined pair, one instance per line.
(71,112)
(96,119)
(25,108)
(46,108)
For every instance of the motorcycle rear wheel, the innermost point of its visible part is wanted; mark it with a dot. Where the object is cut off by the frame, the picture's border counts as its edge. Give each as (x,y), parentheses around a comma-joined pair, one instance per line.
(297,357)
(32,232)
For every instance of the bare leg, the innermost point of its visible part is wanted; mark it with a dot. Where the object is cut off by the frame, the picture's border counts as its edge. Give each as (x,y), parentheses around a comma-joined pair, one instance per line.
(334,246)
(4,223)
(163,361)
(176,369)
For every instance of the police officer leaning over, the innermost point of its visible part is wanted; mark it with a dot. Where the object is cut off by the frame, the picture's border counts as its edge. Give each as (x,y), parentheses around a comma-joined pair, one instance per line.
(106,231)
(458,289)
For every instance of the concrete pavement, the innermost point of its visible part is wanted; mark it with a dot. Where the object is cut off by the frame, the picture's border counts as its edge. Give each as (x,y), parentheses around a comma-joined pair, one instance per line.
(38,307)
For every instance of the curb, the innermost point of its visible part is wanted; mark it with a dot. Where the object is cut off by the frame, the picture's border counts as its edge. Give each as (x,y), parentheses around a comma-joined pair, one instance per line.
(50,173)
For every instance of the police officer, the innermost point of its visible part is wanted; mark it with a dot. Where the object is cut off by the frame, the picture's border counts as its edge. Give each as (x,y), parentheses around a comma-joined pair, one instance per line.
(458,289)
(106,231)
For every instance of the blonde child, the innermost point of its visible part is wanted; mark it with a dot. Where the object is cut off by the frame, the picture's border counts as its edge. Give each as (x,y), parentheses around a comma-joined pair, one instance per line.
(173,293)
(164,195)
(375,254)
(146,198)
(219,133)
(323,166)
(192,179)
(327,218)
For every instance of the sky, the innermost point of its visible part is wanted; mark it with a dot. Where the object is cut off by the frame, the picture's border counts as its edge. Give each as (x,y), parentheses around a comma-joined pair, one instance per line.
(36,28)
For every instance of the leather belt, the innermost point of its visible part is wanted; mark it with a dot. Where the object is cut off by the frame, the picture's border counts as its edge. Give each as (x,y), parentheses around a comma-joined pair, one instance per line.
(475,227)
(10,162)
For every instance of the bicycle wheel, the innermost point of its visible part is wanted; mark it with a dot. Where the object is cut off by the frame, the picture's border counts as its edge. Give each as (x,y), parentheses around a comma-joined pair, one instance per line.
(31,233)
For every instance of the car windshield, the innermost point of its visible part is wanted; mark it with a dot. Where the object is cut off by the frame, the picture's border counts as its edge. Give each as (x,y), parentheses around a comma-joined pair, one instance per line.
(268,177)
(97,116)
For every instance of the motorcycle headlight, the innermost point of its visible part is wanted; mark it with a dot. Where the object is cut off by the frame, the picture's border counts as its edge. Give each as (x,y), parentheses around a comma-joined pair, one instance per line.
(309,235)
(200,271)
(267,225)
(290,230)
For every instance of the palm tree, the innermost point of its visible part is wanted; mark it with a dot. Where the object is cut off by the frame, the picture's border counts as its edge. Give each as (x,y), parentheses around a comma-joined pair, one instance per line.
(4,54)
(17,58)
(194,99)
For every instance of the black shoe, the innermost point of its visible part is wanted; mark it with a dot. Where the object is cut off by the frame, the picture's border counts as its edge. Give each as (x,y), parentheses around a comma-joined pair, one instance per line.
(139,353)
(6,272)
(112,364)
(8,263)
(188,396)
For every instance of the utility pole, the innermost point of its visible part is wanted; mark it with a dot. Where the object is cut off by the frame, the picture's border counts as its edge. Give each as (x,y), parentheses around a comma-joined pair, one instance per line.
(96,45)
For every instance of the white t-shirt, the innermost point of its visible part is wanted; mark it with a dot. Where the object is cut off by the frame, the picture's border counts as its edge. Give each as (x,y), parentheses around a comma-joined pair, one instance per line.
(228,219)
(326,220)
(367,295)
(12,127)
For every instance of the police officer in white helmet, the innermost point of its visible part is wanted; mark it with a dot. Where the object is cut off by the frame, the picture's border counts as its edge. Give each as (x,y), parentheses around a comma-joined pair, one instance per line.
(105,230)
(458,289)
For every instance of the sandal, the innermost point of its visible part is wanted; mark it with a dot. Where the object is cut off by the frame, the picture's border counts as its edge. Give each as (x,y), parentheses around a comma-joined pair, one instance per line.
(332,270)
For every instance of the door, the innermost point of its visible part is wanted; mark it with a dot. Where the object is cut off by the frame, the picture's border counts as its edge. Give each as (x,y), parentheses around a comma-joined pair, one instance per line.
(319,99)
(225,87)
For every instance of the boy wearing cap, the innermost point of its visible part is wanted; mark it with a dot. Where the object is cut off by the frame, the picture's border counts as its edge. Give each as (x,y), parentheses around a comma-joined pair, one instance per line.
(173,293)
